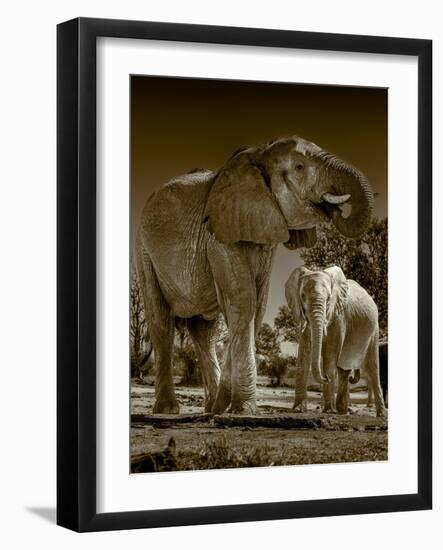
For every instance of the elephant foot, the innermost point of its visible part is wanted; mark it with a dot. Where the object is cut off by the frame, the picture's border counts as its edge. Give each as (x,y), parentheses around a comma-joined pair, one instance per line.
(382,413)
(166,405)
(330,410)
(244,408)
(209,405)
(300,407)
(222,400)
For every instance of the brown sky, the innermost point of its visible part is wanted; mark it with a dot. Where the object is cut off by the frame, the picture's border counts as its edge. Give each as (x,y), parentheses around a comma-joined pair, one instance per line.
(178,124)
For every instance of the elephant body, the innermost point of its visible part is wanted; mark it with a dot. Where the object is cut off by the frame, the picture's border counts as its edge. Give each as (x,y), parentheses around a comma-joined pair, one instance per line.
(347,337)
(179,251)
(349,334)
(194,277)
(205,248)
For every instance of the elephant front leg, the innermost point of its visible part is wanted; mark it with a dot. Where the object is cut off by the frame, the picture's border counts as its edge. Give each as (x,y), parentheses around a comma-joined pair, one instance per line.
(329,397)
(329,389)
(204,336)
(237,383)
(235,281)
(300,404)
(342,391)
(243,371)
(223,396)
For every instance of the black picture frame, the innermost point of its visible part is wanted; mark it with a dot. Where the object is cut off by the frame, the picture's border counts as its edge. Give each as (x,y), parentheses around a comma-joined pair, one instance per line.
(76,280)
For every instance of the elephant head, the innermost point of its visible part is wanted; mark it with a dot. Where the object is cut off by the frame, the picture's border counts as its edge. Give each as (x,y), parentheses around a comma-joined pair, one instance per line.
(315,297)
(280,191)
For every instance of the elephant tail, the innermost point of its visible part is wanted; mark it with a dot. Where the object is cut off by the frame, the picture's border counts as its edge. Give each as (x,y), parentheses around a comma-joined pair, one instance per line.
(355,376)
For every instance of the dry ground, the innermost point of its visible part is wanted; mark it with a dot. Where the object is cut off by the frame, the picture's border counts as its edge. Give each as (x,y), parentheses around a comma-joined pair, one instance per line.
(276,436)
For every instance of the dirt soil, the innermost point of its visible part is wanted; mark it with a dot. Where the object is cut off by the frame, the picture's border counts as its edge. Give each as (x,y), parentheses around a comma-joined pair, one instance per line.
(276,436)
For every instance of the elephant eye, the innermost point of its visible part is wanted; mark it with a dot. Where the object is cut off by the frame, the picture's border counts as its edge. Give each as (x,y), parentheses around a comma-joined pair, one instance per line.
(299,167)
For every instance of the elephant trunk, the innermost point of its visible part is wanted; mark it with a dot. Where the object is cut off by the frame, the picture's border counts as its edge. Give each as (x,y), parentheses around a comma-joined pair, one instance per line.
(347,180)
(317,320)
(355,377)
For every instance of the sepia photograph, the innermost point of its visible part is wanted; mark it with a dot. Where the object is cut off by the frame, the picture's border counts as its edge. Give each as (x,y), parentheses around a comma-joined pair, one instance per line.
(258,274)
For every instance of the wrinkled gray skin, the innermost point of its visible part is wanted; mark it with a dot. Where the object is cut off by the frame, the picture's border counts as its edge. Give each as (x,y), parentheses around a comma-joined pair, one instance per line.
(206,244)
(339,323)
(383,361)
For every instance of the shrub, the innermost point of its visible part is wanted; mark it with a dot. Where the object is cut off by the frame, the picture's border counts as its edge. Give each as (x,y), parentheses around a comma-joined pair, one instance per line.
(219,454)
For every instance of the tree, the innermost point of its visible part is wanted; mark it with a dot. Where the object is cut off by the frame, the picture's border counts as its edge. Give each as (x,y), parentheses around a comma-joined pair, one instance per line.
(286,326)
(277,368)
(269,359)
(365,260)
(266,343)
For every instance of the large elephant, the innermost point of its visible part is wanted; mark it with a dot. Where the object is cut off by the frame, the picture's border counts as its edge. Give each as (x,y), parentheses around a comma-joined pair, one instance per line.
(339,334)
(206,245)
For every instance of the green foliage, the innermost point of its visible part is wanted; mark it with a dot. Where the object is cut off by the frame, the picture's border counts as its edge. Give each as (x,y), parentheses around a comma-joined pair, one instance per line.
(364,260)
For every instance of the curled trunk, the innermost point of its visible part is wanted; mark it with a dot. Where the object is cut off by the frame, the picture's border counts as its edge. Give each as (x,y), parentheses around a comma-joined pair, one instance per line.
(355,376)
(347,180)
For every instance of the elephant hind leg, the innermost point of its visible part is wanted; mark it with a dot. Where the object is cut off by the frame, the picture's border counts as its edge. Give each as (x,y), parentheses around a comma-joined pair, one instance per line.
(161,330)
(224,391)
(300,404)
(204,337)
(329,388)
(370,401)
(373,376)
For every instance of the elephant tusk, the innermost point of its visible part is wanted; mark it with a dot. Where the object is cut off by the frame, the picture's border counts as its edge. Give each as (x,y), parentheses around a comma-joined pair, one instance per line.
(335,199)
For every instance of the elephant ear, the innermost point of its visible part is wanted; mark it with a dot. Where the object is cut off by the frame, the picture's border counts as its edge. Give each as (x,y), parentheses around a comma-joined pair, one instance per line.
(339,292)
(240,207)
(292,293)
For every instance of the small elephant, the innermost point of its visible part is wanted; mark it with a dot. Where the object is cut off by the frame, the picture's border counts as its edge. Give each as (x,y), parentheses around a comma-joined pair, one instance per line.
(206,243)
(339,334)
